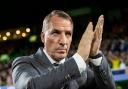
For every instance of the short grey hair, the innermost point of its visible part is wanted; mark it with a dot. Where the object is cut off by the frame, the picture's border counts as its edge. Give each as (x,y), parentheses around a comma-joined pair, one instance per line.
(59,13)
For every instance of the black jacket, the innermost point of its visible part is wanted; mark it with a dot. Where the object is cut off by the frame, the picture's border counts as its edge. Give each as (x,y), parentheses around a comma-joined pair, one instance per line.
(36,72)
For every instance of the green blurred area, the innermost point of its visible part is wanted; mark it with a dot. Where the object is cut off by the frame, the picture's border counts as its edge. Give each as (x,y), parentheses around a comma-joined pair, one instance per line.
(122,84)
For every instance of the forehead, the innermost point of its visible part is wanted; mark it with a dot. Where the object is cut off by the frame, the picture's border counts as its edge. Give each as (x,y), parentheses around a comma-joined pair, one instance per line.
(60,23)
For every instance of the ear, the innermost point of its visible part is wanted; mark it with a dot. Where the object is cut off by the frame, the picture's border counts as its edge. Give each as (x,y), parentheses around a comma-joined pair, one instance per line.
(42,36)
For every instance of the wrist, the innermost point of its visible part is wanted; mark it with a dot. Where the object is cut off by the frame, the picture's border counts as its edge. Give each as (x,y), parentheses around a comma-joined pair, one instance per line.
(95,56)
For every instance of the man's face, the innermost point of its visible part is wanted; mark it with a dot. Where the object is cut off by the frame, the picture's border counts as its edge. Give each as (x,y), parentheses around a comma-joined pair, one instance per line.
(57,38)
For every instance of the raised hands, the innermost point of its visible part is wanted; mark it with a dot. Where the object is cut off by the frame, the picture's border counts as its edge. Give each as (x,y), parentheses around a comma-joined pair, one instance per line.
(91,40)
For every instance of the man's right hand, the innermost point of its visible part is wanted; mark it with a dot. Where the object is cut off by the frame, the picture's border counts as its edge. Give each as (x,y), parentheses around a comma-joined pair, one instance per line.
(85,42)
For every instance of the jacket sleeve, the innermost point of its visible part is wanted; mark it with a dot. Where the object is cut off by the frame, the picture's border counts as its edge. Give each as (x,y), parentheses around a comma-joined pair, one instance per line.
(25,76)
(103,75)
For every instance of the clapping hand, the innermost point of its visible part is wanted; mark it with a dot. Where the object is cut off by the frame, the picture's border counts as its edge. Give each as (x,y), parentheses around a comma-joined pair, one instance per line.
(91,40)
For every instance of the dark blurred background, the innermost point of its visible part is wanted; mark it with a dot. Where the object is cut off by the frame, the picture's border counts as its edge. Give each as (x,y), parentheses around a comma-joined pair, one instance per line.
(21,24)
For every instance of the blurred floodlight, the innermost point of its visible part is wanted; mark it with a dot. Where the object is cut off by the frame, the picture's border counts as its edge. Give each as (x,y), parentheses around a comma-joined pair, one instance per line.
(8,33)
(27,29)
(4,38)
(17,32)
(23,34)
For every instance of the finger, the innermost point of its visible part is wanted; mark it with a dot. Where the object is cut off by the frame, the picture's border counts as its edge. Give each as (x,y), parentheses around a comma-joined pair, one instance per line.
(101,23)
(89,28)
(99,27)
(88,31)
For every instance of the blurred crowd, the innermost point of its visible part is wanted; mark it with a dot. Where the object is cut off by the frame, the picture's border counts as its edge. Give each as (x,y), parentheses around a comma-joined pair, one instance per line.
(116,51)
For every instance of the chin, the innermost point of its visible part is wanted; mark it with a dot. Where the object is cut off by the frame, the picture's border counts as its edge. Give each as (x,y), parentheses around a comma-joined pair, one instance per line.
(60,57)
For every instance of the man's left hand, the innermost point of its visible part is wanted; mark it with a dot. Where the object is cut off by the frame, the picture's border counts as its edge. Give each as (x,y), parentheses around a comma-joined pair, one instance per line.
(95,46)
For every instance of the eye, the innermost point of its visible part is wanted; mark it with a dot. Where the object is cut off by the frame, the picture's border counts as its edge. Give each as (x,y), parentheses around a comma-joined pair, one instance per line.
(68,33)
(55,32)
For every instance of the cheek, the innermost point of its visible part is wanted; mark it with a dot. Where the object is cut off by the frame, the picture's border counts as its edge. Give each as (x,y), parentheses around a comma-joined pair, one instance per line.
(51,42)
(70,40)
(69,44)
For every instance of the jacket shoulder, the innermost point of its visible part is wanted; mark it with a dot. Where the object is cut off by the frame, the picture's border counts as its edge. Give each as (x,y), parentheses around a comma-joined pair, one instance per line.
(20,60)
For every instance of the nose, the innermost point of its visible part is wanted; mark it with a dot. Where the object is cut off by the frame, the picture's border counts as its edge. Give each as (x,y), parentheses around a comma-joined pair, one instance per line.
(63,39)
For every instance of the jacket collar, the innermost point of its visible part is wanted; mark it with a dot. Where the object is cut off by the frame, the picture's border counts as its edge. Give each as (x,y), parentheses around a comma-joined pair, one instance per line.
(41,57)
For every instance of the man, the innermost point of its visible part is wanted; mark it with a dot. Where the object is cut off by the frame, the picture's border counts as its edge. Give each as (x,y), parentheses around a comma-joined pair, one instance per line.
(86,69)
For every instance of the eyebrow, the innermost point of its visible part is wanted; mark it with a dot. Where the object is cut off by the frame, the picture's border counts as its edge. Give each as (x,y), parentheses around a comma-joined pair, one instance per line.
(58,30)
(55,30)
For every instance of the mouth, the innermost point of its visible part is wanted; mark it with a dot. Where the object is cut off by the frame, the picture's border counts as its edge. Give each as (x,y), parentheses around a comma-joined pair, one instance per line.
(61,51)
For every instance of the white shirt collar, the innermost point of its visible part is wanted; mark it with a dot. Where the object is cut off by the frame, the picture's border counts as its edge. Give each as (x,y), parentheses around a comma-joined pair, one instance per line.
(51,60)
